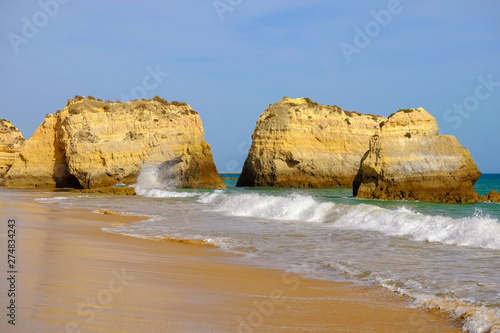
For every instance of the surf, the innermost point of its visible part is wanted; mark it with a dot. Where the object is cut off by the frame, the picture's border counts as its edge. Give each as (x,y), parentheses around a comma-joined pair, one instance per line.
(479,230)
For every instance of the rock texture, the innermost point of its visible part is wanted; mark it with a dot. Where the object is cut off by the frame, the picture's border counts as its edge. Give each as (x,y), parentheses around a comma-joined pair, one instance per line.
(93,144)
(300,143)
(493,196)
(11,141)
(409,160)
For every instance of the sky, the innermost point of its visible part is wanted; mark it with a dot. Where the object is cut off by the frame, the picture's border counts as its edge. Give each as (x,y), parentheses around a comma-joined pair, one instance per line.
(230,59)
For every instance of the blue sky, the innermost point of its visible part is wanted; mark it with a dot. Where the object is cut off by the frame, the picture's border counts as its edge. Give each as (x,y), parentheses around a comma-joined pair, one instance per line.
(230,59)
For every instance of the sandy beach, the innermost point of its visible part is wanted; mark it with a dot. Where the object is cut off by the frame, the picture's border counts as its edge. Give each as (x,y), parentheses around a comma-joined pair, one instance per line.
(74,277)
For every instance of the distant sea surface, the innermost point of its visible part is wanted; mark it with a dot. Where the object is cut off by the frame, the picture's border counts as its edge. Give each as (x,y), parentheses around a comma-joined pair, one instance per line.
(444,256)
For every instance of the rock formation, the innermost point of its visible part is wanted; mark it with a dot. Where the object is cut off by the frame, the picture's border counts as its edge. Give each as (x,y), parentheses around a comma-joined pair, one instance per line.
(300,143)
(94,144)
(409,160)
(11,141)
(493,196)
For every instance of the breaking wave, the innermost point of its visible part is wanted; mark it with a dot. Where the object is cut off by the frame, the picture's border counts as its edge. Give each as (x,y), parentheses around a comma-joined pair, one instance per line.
(152,184)
(475,231)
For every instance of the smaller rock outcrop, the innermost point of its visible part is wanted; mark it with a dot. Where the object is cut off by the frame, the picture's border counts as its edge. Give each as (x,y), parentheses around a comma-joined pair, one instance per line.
(409,160)
(493,196)
(11,141)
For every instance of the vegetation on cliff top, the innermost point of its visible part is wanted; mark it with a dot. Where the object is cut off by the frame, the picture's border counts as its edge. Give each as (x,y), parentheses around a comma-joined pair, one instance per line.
(157,98)
(402,110)
(333,108)
(80,104)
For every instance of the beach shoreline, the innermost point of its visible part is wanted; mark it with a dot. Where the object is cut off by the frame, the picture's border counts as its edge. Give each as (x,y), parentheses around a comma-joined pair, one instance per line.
(74,277)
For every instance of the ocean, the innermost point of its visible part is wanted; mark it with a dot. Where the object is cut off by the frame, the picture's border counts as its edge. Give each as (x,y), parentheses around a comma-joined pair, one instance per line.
(443,256)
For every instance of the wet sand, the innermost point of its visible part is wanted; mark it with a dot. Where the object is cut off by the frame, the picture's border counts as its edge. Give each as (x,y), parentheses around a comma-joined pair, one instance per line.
(74,277)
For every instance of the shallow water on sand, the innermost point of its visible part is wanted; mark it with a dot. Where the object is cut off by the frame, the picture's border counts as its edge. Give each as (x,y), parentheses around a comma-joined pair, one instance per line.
(444,256)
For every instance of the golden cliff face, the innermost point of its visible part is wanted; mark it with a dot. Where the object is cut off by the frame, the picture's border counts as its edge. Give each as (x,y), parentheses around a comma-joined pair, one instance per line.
(409,160)
(93,144)
(11,141)
(300,143)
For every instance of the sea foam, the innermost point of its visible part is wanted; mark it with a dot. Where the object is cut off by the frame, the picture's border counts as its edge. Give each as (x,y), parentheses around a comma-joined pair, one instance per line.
(149,184)
(474,231)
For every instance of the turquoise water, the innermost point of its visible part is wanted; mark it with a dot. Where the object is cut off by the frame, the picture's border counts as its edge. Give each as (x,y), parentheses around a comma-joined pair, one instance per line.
(230,182)
(444,256)
(487,183)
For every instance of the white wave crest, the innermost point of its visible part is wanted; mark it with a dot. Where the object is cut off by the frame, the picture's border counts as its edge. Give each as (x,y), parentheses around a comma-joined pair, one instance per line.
(294,207)
(475,231)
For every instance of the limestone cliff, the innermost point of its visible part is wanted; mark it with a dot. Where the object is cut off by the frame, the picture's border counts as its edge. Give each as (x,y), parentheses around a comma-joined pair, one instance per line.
(409,160)
(11,141)
(93,144)
(300,143)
